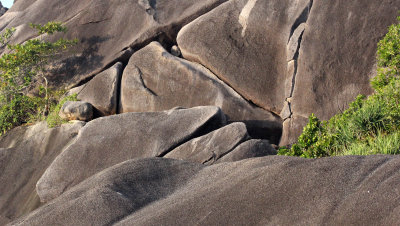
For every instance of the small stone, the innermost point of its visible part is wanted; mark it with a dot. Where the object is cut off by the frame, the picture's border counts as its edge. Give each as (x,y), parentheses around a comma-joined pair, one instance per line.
(76,110)
(175,51)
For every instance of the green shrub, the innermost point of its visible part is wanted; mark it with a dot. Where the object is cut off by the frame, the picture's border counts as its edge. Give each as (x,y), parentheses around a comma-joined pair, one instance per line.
(370,125)
(22,67)
(388,57)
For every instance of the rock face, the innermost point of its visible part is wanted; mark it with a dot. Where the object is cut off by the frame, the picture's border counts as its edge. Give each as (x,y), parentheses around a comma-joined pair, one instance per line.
(247,47)
(25,153)
(107,141)
(155,80)
(102,91)
(337,55)
(267,190)
(211,147)
(315,53)
(76,110)
(266,64)
(105,29)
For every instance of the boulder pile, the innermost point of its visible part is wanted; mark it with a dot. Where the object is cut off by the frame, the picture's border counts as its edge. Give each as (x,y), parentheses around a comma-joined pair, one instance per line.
(183,105)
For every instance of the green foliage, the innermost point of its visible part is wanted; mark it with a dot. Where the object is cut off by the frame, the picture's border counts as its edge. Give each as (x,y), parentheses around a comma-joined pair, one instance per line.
(22,66)
(388,57)
(370,125)
(19,110)
(53,119)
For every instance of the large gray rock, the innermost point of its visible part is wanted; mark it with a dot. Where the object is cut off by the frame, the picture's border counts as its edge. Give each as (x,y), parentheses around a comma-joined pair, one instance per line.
(25,153)
(102,90)
(246,47)
(76,110)
(249,149)
(260,191)
(209,148)
(110,140)
(105,29)
(155,80)
(114,193)
(337,55)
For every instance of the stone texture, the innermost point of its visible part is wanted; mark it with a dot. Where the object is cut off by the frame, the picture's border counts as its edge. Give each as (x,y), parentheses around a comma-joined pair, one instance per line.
(105,29)
(273,190)
(292,128)
(102,90)
(76,110)
(337,54)
(294,42)
(25,153)
(246,47)
(110,140)
(249,149)
(209,148)
(155,80)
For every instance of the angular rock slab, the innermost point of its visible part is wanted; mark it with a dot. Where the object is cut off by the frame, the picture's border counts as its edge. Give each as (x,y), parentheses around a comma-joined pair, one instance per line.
(273,190)
(155,80)
(25,153)
(110,140)
(249,149)
(105,29)
(209,148)
(102,90)
(244,43)
(338,54)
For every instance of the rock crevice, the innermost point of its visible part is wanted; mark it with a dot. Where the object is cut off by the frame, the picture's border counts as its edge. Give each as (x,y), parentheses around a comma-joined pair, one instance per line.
(293,51)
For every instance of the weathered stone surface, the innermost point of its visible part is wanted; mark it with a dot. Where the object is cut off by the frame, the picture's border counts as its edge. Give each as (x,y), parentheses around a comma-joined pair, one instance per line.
(76,110)
(102,90)
(209,148)
(292,128)
(337,54)
(273,190)
(246,47)
(110,140)
(249,149)
(294,42)
(108,196)
(104,28)
(25,154)
(155,80)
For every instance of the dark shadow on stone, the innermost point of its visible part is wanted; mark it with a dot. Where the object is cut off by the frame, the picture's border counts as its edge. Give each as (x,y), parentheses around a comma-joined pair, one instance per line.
(264,129)
(76,65)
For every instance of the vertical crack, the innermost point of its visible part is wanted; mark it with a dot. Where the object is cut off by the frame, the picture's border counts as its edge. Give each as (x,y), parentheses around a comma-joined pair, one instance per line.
(293,51)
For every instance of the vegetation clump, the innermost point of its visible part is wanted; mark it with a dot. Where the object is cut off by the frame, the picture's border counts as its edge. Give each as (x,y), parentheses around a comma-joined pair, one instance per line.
(22,67)
(371,125)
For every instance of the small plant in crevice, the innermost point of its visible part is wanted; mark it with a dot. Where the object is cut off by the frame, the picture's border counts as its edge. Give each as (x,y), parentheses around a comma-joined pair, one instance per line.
(53,119)
(371,125)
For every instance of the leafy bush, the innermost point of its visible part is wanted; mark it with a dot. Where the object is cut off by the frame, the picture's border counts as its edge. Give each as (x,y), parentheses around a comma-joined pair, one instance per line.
(21,67)
(370,125)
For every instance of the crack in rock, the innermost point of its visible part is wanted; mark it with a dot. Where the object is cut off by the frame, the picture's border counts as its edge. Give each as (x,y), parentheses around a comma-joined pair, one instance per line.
(245,14)
(293,50)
